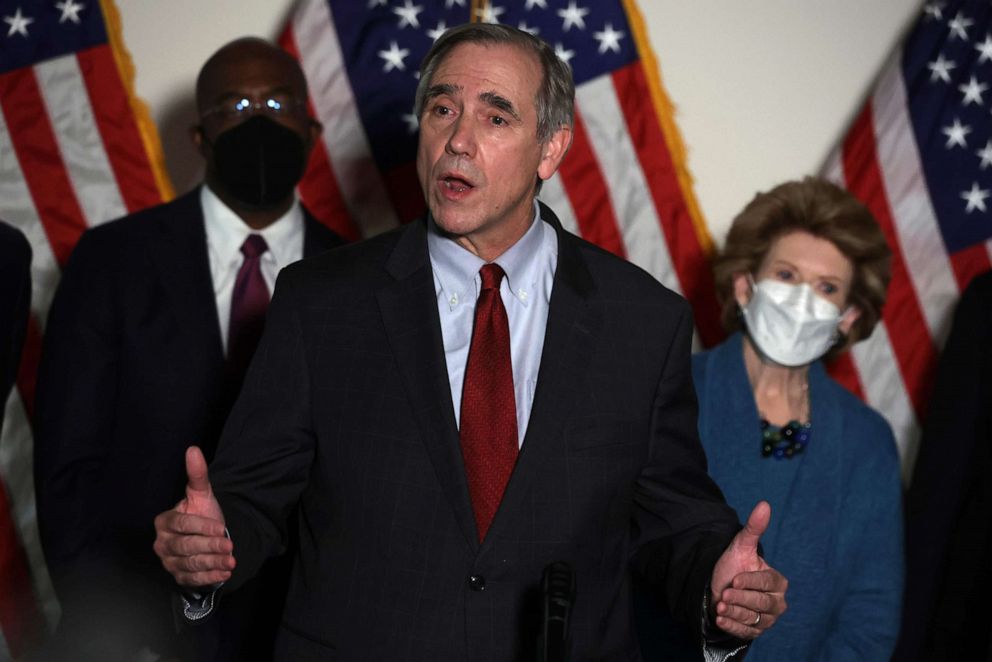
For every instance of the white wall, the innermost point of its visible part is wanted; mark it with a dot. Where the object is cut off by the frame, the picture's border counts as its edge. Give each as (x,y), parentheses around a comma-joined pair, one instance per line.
(764,88)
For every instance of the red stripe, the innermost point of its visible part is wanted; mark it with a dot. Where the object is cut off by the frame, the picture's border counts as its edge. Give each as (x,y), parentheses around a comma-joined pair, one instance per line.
(118,129)
(844,371)
(908,333)
(588,192)
(319,187)
(688,257)
(41,161)
(970,262)
(404,191)
(27,374)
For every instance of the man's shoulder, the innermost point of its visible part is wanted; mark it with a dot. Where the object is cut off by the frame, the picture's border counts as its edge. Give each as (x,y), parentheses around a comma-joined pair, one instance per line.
(358,262)
(618,279)
(183,210)
(14,247)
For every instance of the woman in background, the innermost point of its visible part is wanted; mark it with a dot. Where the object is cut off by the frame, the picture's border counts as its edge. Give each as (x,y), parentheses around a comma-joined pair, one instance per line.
(803,276)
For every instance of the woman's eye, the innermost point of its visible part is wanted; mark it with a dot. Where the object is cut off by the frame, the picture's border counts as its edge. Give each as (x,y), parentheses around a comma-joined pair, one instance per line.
(783,274)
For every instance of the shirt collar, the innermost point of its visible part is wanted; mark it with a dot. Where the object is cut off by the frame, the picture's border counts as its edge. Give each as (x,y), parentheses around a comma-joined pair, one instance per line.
(456,269)
(226,231)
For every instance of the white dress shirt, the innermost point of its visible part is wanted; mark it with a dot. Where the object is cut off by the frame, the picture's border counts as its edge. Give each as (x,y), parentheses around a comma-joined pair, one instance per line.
(526,292)
(226,232)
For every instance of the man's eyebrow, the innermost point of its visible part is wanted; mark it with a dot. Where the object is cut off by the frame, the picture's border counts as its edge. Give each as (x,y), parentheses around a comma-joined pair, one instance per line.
(442,89)
(499,102)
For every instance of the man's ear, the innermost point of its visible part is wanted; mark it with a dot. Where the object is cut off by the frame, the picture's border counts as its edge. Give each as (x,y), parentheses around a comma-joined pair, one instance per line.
(553,151)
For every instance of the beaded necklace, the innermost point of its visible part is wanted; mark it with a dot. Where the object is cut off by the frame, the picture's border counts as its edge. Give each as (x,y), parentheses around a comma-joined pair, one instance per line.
(784,443)
(789,440)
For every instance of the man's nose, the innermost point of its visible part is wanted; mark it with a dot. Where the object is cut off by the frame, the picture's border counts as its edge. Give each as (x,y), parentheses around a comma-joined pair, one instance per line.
(462,138)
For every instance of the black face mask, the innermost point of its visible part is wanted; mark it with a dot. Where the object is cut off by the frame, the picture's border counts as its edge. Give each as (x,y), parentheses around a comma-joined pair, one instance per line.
(259,161)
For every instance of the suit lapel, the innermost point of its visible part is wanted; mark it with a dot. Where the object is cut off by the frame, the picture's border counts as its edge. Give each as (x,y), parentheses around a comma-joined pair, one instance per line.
(409,312)
(179,253)
(573,326)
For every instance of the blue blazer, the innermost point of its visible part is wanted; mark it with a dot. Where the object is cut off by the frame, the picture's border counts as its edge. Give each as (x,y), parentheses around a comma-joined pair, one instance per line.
(836,528)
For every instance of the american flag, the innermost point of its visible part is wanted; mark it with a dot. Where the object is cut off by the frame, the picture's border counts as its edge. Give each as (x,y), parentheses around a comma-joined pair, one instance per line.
(919,154)
(624,185)
(76,149)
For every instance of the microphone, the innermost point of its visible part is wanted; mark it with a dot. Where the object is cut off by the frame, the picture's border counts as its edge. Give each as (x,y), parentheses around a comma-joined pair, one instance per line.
(558,591)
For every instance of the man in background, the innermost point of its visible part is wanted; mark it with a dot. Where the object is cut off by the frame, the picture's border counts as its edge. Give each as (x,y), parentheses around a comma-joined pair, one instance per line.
(152,327)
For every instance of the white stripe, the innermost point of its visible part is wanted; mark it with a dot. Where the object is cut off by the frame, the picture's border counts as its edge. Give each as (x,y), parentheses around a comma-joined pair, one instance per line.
(344,136)
(833,169)
(553,195)
(885,391)
(83,156)
(16,470)
(917,231)
(17,208)
(626,186)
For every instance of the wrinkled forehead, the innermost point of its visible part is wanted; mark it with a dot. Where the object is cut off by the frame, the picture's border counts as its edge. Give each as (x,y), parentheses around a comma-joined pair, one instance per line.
(504,67)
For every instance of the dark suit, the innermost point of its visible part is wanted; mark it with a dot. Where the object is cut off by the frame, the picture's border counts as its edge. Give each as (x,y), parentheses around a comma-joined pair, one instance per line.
(15,302)
(132,373)
(949,504)
(347,414)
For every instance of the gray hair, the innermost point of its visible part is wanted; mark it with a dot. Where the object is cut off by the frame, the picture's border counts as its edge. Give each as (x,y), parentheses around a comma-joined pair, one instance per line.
(555,95)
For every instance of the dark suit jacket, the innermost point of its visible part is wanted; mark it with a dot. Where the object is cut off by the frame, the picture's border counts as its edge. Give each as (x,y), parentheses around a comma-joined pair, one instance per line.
(15,302)
(347,414)
(132,373)
(949,504)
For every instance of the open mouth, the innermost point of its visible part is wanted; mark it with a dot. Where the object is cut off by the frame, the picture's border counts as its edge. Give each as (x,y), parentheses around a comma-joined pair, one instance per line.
(456,184)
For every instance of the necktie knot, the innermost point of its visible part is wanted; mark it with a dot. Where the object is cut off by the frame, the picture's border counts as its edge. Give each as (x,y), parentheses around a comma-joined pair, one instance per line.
(492,275)
(254,246)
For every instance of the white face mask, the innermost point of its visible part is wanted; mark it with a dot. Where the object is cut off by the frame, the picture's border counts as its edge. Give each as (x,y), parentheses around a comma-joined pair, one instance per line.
(790,324)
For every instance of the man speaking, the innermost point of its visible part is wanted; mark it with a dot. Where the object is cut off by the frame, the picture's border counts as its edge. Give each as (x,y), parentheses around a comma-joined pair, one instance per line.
(442,411)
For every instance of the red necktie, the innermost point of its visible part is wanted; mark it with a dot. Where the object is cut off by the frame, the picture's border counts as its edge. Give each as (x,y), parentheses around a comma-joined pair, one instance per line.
(489,412)
(249,300)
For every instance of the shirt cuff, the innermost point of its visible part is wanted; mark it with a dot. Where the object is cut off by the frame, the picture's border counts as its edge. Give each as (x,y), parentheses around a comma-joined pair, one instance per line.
(719,646)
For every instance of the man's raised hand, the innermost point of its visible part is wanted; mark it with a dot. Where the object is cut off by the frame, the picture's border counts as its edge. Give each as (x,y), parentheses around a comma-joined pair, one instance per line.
(190,539)
(748,595)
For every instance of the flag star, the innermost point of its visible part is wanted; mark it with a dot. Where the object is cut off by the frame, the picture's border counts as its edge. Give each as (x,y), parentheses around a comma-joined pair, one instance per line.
(933,10)
(985,49)
(408,14)
(412,123)
(609,39)
(18,23)
(436,33)
(573,15)
(448,4)
(941,68)
(975,198)
(564,55)
(70,10)
(489,14)
(973,91)
(393,58)
(522,25)
(959,26)
(536,3)
(986,155)
(956,134)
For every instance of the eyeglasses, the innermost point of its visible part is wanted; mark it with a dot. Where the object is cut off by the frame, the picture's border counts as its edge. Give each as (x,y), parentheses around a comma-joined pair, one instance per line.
(274,104)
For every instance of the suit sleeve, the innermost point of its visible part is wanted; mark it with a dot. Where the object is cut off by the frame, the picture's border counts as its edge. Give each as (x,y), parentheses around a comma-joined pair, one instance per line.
(265,452)
(75,399)
(682,523)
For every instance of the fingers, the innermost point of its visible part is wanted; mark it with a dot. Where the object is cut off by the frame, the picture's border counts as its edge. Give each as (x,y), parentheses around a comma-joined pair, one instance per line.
(193,549)
(768,580)
(756,525)
(196,470)
(738,629)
